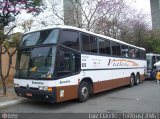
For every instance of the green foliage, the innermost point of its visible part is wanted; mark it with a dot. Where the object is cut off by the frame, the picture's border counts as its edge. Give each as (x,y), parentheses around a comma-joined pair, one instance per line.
(2,36)
(37,2)
(152,42)
(12,40)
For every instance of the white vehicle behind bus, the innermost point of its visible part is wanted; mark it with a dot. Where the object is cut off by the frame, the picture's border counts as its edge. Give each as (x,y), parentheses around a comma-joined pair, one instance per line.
(151,60)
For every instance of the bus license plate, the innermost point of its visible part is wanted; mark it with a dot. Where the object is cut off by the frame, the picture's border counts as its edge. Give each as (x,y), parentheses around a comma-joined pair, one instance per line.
(29,94)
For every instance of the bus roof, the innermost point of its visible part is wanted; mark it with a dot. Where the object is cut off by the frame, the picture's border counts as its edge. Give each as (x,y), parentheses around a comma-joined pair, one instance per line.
(152,54)
(85,31)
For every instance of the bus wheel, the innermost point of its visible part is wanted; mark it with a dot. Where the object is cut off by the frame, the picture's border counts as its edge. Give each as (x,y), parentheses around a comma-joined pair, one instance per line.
(132,80)
(83,92)
(137,79)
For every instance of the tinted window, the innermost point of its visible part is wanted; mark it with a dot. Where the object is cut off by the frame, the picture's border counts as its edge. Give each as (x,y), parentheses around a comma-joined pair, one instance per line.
(124,51)
(69,63)
(143,54)
(89,43)
(132,52)
(138,54)
(36,62)
(85,43)
(40,37)
(70,39)
(104,46)
(93,44)
(116,49)
(108,49)
(158,58)
(75,64)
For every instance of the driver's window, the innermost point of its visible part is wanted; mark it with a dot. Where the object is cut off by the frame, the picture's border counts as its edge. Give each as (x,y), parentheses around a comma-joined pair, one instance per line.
(68,63)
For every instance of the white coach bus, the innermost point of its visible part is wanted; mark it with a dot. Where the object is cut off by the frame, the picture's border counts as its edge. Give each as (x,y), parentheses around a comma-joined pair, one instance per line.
(62,63)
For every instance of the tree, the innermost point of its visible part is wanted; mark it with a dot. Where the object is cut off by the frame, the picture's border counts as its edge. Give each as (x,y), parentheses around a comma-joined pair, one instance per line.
(9,46)
(152,41)
(91,11)
(26,25)
(124,24)
(111,24)
(8,10)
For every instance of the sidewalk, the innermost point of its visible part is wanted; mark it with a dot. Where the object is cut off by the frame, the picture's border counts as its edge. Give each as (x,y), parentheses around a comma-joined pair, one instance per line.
(9,99)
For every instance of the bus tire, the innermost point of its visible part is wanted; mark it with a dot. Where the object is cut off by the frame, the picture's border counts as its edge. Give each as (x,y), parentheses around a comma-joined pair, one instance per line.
(132,80)
(137,79)
(83,92)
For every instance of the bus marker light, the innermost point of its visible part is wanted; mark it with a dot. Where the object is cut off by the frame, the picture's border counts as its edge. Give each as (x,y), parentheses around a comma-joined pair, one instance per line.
(49,89)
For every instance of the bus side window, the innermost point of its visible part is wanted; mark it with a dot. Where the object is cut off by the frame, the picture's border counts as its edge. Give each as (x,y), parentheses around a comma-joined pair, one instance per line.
(142,54)
(76,63)
(137,52)
(124,51)
(131,52)
(68,63)
(108,47)
(85,42)
(70,39)
(116,49)
(102,46)
(158,58)
(93,44)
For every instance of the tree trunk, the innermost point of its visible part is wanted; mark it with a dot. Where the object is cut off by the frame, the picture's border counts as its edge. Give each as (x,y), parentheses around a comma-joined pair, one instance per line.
(1,73)
(4,87)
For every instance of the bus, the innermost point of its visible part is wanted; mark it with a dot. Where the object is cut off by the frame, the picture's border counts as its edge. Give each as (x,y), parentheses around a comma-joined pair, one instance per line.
(62,63)
(151,60)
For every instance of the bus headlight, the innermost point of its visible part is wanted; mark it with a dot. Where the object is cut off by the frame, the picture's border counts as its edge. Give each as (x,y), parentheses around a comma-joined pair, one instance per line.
(40,87)
(45,88)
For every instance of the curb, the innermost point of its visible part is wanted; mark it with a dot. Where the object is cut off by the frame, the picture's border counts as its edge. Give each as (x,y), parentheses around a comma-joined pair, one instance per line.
(13,102)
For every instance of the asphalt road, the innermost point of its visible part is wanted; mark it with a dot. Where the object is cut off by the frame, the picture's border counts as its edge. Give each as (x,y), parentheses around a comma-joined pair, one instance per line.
(139,99)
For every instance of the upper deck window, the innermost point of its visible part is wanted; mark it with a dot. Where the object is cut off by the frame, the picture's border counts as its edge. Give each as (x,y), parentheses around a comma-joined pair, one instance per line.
(104,46)
(89,43)
(124,50)
(93,44)
(70,39)
(40,37)
(116,49)
(132,53)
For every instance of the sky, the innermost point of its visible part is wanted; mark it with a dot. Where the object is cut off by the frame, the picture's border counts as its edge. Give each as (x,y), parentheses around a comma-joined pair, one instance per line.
(141,5)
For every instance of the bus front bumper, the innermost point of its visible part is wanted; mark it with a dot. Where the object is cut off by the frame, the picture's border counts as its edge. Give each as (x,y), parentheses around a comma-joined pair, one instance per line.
(36,94)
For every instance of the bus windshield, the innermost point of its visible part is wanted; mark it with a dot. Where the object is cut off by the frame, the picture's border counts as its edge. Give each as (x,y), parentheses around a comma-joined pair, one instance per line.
(36,62)
(40,37)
